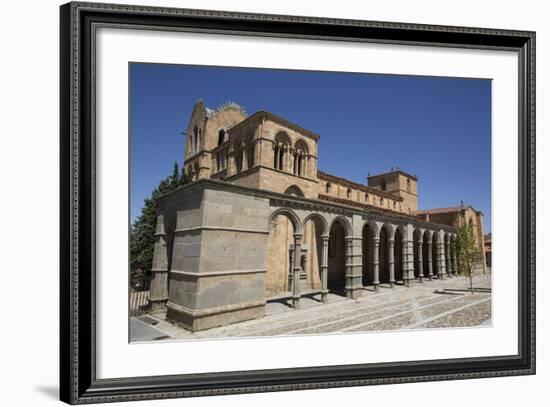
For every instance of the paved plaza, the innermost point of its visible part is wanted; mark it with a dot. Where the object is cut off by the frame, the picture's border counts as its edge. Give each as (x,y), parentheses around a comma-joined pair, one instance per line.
(432,304)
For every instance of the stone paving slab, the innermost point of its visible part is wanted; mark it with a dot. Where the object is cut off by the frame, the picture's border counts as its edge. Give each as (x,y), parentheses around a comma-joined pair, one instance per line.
(424,305)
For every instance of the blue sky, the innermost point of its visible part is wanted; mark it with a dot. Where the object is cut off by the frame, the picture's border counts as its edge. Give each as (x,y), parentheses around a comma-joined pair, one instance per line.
(436,128)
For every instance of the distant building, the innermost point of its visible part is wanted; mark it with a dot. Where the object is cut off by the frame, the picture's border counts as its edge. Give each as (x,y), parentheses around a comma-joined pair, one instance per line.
(457,216)
(260,220)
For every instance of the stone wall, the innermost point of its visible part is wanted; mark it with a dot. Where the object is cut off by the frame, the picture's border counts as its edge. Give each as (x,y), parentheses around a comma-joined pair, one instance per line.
(219,256)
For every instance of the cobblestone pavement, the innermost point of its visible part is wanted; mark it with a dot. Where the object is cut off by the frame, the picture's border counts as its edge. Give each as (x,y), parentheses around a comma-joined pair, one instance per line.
(432,304)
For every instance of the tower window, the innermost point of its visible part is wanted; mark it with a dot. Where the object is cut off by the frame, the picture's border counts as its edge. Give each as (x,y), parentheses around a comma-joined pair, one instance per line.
(408,185)
(383,185)
(221,136)
(328,187)
(348,193)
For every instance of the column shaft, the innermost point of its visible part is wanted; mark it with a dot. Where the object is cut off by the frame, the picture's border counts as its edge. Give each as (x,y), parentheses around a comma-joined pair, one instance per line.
(324,269)
(420,262)
(391,244)
(376,264)
(429,259)
(296,273)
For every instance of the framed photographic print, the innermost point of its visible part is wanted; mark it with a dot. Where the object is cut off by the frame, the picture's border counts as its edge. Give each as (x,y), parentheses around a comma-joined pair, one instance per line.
(256,203)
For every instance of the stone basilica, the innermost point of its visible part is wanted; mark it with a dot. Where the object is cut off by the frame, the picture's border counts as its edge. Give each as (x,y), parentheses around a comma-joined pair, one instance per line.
(260,221)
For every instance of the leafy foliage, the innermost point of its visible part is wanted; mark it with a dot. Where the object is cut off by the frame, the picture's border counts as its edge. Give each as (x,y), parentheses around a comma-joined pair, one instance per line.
(467,252)
(142,237)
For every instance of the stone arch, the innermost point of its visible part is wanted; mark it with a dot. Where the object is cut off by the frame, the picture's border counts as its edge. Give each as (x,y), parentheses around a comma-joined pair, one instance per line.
(291,215)
(398,263)
(345,223)
(314,227)
(301,154)
(322,221)
(283,226)
(386,233)
(374,227)
(295,191)
(337,256)
(301,145)
(281,146)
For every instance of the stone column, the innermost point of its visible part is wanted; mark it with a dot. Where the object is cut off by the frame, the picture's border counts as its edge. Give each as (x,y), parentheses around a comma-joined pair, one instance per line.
(376,263)
(420,262)
(296,271)
(354,267)
(448,258)
(410,261)
(391,257)
(158,294)
(324,269)
(441,260)
(405,261)
(291,268)
(429,259)
(289,160)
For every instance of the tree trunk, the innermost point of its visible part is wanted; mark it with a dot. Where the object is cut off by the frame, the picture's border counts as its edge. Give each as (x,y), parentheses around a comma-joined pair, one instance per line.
(470,275)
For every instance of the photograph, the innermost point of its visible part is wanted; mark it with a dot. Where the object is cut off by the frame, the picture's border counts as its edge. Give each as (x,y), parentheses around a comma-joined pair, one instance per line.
(275,202)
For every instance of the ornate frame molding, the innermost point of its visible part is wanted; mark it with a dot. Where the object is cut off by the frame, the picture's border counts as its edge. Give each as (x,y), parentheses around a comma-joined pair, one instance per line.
(78,382)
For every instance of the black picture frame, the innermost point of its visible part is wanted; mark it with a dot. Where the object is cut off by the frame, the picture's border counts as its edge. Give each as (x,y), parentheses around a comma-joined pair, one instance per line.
(78,382)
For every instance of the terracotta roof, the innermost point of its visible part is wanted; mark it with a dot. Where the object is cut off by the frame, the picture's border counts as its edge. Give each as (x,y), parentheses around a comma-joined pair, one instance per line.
(438,210)
(397,171)
(364,205)
(268,115)
(365,188)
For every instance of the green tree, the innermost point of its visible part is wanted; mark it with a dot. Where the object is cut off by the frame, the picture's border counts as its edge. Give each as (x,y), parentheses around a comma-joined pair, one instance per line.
(142,236)
(467,252)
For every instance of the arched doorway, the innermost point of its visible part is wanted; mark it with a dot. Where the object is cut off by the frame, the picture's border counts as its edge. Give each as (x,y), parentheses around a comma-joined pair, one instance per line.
(398,256)
(435,254)
(384,266)
(337,258)
(280,246)
(314,228)
(417,247)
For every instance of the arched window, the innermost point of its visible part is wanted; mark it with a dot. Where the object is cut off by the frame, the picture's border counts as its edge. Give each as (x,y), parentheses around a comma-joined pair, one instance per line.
(408,185)
(394,205)
(328,188)
(383,185)
(348,193)
(221,136)
(250,153)
(294,190)
(366,196)
(239,159)
(301,152)
(280,150)
(381,201)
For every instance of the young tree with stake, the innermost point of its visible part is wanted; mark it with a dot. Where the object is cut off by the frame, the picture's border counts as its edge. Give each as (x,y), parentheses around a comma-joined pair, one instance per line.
(467,252)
